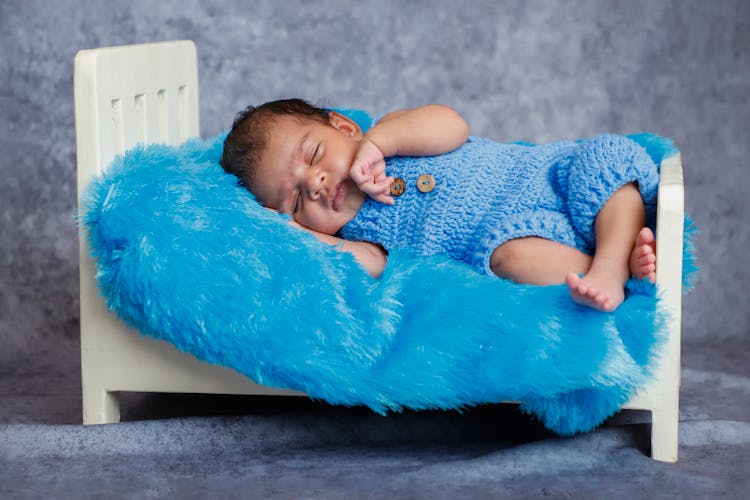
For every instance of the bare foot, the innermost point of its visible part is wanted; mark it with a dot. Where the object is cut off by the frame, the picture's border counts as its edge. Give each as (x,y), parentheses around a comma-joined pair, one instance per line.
(643,257)
(600,288)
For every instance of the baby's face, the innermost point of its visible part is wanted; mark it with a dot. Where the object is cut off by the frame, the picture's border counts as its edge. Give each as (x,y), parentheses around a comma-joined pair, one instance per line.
(304,171)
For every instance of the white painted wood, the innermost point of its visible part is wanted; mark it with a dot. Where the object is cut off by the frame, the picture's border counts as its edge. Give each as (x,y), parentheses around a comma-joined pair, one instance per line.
(125,95)
(149,93)
(662,397)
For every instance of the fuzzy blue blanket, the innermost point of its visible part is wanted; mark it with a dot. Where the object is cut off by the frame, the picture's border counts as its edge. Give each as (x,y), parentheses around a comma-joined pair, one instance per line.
(186,255)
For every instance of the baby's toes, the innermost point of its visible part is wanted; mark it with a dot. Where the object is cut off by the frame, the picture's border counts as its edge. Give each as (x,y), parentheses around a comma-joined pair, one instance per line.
(646,260)
(645,270)
(574,282)
(645,237)
(650,273)
(644,251)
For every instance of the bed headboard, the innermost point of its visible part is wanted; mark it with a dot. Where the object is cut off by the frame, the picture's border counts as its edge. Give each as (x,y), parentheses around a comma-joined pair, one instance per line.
(126,95)
(123,96)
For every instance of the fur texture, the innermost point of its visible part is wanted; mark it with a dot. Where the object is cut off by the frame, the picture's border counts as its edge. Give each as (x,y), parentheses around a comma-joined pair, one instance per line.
(187,256)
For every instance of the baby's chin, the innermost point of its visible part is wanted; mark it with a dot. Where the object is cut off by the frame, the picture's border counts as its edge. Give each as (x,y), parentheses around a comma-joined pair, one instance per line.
(355,196)
(353,201)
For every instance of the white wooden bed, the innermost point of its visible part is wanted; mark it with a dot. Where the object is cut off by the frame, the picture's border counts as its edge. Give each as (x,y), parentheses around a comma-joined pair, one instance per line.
(149,93)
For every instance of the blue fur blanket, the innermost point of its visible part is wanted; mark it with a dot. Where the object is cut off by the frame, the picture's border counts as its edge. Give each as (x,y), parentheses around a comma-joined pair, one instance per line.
(187,256)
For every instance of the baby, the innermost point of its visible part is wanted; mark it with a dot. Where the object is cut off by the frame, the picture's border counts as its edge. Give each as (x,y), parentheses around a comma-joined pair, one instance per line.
(570,212)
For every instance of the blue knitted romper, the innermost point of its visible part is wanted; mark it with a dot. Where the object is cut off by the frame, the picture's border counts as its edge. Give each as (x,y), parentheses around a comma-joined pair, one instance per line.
(487,193)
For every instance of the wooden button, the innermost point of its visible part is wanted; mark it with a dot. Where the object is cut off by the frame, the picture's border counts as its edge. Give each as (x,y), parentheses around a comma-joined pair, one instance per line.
(426,183)
(398,186)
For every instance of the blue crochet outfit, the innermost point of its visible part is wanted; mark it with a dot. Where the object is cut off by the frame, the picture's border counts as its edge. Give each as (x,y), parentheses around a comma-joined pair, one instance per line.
(487,193)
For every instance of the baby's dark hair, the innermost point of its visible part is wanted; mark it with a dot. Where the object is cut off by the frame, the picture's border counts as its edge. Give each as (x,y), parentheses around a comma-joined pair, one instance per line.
(250,133)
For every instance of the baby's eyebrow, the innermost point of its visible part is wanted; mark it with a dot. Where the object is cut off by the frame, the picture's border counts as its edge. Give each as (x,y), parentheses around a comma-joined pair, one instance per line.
(296,154)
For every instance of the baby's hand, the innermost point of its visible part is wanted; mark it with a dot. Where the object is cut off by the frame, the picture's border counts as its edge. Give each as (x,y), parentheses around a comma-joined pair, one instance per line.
(368,171)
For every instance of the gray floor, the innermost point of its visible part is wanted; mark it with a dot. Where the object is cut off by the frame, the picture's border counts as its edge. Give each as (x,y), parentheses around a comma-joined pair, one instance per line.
(198,446)
(533,70)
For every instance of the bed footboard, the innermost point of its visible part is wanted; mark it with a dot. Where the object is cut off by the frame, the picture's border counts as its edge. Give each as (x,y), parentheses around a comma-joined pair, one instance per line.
(662,398)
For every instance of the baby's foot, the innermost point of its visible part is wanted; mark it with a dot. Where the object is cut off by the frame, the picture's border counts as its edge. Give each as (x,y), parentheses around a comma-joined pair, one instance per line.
(603,291)
(643,257)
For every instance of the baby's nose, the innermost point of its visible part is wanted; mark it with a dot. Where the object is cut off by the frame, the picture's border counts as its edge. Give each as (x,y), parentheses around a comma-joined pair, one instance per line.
(316,180)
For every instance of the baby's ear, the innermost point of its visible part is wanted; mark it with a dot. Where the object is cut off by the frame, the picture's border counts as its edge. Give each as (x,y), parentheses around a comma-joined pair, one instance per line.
(345,125)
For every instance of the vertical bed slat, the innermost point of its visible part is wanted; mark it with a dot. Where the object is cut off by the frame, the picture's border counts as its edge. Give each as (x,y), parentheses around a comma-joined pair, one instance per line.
(141,119)
(118,137)
(182,112)
(162,116)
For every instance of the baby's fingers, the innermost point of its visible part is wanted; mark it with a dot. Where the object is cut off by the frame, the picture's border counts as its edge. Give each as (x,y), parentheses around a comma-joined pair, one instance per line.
(383,198)
(378,169)
(370,188)
(387,181)
(381,191)
(360,174)
(381,177)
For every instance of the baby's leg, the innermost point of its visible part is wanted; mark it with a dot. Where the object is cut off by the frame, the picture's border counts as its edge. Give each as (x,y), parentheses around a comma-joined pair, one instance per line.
(537,261)
(615,227)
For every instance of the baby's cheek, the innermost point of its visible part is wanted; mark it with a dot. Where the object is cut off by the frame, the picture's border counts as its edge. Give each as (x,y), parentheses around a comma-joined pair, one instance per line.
(312,219)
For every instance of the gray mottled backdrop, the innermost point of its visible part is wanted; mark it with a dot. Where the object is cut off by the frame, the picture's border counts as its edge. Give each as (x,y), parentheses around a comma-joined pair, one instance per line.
(517,70)
(536,71)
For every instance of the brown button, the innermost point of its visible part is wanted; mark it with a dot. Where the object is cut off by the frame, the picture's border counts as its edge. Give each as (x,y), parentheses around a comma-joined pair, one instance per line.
(426,183)
(398,186)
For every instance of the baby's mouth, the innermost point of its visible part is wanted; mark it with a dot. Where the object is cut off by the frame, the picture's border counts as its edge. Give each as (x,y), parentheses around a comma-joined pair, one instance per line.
(338,193)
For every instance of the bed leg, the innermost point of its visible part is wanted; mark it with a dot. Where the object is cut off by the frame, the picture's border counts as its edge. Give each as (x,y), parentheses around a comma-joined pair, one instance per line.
(664,424)
(100,406)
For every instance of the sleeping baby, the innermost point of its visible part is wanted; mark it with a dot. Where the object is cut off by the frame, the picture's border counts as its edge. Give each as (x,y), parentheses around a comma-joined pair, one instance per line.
(572,212)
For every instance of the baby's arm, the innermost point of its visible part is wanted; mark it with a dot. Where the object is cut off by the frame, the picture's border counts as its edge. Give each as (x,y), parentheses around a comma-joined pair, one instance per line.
(426,131)
(369,255)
